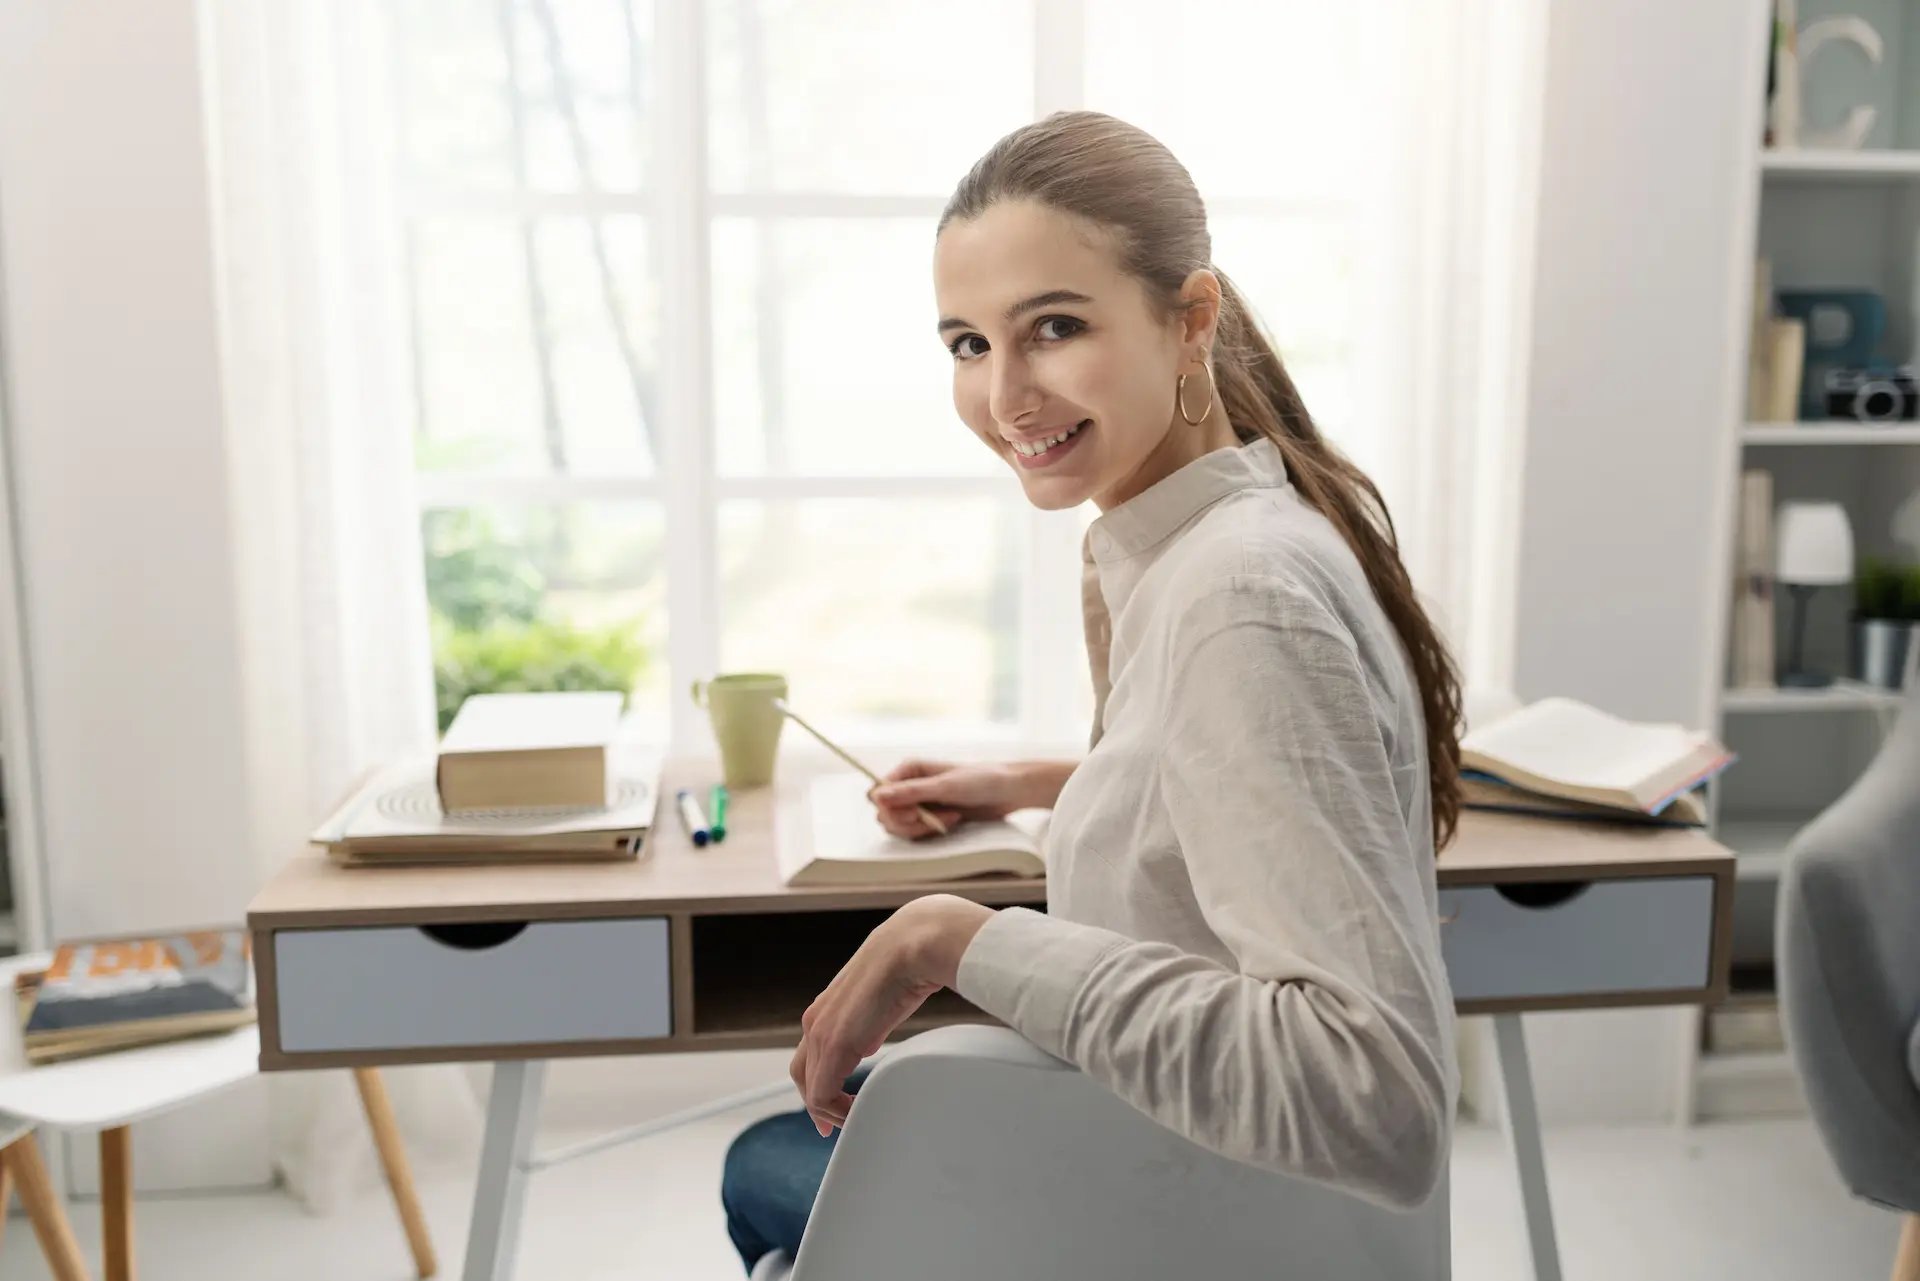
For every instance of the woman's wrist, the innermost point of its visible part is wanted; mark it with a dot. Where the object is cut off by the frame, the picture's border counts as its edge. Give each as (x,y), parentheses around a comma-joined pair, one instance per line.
(1041,781)
(943,927)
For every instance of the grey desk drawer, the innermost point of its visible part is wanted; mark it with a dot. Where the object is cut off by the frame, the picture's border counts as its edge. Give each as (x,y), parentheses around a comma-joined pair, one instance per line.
(1544,940)
(406,987)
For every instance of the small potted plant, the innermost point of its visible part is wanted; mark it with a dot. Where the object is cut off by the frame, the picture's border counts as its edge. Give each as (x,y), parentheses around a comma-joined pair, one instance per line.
(1886,617)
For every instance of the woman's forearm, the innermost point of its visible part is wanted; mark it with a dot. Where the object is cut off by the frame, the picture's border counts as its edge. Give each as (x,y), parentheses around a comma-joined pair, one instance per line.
(1041,781)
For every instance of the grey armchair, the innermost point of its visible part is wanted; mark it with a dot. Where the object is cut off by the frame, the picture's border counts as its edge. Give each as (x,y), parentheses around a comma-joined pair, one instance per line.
(971,1154)
(1848,953)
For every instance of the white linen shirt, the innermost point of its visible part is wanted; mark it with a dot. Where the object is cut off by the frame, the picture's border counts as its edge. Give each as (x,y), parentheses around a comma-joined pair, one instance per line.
(1241,938)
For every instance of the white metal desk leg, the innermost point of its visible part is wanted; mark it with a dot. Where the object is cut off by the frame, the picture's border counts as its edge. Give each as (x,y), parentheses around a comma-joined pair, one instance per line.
(513,1109)
(1523,1140)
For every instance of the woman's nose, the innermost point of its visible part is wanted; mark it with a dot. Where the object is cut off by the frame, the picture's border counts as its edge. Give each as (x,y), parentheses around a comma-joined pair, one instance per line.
(1014,394)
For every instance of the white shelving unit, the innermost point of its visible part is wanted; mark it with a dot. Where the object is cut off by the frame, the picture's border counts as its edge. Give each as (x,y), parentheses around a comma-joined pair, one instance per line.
(1875,165)
(1821,219)
(1841,696)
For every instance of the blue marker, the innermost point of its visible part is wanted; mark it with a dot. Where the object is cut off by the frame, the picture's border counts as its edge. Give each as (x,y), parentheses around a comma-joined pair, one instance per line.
(691,816)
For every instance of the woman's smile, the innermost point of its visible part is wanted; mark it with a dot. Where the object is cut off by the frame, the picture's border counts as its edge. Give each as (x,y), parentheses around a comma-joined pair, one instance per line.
(1050,453)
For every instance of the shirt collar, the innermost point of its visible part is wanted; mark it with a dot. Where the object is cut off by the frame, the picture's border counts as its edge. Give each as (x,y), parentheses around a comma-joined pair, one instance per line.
(1153,514)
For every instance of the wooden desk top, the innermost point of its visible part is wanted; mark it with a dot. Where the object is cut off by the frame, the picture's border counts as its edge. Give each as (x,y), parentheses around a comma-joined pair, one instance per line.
(738,875)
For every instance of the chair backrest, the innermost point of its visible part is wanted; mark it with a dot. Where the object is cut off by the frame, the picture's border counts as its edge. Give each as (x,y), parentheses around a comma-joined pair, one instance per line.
(1848,957)
(971,1154)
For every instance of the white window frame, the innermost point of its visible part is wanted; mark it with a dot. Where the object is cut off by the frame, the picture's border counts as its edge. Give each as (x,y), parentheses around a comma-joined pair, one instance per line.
(681,209)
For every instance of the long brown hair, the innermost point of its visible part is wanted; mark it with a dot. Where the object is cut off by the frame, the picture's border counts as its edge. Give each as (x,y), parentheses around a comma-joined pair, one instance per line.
(1121,178)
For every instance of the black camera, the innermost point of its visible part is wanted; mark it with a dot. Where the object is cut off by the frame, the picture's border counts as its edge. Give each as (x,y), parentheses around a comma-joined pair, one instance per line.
(1873,395)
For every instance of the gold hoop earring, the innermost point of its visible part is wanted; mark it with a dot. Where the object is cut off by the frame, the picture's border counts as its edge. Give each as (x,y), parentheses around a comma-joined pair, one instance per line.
(1180,398)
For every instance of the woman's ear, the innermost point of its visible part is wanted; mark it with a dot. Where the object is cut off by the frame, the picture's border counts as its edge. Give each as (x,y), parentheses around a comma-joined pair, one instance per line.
(1200,314)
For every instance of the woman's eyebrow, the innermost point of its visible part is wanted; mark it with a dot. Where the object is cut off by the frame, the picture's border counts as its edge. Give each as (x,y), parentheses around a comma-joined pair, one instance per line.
(1050,298)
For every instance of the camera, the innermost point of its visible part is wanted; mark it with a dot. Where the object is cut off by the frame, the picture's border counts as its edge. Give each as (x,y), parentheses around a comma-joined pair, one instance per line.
(1872,395)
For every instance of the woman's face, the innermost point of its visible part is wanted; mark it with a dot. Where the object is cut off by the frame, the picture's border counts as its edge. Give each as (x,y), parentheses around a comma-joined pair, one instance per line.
(1050,336)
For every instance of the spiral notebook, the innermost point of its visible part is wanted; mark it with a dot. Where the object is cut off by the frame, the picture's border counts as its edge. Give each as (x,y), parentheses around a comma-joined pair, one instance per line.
(836,839)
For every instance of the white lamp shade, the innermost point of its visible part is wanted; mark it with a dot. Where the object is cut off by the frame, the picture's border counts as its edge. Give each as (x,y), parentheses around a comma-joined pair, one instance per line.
(1813,545)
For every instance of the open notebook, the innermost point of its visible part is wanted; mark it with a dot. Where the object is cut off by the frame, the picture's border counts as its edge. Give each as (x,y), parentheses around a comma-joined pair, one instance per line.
(837,840)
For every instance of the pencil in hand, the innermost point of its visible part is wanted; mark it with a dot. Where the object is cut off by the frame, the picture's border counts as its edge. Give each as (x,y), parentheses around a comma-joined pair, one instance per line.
(780,704)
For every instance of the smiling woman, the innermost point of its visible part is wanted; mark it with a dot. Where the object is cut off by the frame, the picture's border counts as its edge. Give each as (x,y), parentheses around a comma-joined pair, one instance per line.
(1240,937)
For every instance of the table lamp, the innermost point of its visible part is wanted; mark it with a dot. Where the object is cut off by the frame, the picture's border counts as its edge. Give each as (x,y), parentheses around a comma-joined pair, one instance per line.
(1813,548)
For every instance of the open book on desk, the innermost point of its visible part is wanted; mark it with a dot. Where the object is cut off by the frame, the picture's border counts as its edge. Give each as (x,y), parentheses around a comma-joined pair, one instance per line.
(1564,757)
(836,839)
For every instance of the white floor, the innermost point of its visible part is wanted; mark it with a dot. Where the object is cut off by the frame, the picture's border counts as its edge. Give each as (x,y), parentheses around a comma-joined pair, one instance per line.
(1750,1200)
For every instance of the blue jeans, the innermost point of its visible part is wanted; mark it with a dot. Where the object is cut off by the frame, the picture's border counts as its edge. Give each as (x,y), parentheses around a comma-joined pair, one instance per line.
(771,1177)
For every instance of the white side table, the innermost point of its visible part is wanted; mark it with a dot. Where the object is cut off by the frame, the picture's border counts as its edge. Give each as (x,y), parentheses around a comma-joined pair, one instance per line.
(109,1092)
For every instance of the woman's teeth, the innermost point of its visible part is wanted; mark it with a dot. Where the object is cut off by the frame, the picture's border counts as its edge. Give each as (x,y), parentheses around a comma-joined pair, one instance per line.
(1040,447)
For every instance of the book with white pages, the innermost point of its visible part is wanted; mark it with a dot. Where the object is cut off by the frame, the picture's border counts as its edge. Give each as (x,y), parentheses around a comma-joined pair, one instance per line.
(396,815)
(1560,747)
(837,839)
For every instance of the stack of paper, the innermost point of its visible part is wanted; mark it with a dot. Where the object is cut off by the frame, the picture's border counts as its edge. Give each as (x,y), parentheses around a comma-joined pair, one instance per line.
(396,818)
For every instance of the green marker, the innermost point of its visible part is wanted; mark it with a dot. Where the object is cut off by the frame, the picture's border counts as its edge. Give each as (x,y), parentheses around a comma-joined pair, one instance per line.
(717,829)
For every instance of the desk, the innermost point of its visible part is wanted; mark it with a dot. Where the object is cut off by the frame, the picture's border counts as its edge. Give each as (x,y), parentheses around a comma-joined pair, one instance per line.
(705,949)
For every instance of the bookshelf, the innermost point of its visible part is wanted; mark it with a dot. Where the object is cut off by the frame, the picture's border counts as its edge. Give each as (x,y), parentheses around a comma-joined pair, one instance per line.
(1821,219)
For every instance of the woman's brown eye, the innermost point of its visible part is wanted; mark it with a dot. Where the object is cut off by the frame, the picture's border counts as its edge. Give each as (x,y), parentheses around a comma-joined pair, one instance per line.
(1071,327)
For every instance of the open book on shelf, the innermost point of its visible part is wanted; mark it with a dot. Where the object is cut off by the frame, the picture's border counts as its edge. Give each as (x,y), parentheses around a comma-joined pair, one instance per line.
(1561,756)
(836,839)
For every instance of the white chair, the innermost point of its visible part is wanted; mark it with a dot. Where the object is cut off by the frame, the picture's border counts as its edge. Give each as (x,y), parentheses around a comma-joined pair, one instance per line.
(108,1093)
(970,1153)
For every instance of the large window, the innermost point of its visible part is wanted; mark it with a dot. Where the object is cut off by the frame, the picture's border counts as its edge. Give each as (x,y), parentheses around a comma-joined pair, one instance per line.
(680,404)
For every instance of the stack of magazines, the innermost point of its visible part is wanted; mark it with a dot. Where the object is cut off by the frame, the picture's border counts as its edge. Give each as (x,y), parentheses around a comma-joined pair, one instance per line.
(395,819)
(114,994)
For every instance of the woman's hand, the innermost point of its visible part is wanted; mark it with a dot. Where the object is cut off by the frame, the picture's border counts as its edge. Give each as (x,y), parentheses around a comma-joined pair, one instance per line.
(955,793)
(913,954)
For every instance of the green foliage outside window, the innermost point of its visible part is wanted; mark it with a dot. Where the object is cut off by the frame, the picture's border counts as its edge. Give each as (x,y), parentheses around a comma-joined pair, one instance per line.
(489,635)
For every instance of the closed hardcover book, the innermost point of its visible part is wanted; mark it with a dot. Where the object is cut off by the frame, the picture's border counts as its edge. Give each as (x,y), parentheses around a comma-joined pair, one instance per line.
(522,751)
(1751,651)
(1485,792)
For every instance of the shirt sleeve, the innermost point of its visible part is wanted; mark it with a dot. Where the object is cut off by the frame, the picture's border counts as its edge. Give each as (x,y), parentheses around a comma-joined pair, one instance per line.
(1325,1052)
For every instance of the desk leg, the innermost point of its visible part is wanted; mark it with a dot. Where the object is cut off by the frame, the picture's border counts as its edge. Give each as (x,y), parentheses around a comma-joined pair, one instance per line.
(1522,1119)
(513,1109)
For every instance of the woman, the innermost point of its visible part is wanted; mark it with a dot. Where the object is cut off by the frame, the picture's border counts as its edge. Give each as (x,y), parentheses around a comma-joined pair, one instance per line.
(1242,937)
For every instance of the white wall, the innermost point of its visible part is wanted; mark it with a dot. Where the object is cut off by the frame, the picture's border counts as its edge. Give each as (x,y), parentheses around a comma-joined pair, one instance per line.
(119,475)
(1643,240)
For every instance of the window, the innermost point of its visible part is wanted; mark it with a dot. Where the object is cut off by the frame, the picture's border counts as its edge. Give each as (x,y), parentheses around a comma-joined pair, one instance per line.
(680,408)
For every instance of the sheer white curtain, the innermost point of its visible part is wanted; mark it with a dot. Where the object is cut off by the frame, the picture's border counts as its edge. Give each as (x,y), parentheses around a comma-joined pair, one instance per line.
(1444,383)
(338,676)
(1369,173)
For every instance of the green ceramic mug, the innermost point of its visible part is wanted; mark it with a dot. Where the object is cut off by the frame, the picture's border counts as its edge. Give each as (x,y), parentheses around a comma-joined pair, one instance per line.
(746,724)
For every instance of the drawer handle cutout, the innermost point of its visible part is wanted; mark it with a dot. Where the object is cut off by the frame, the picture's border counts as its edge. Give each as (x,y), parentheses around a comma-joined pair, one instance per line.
(1542,893)
(477,936)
